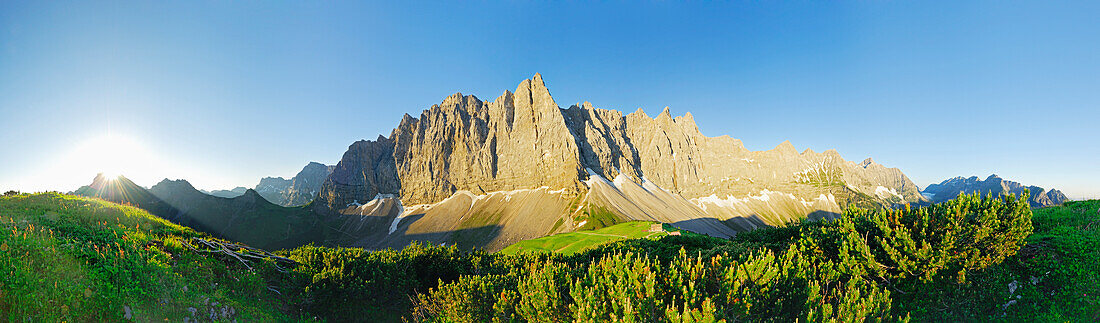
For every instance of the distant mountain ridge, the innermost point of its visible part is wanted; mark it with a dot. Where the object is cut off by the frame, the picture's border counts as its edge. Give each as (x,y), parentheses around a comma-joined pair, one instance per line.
(123,191)
(298,190)
(235,192)
(483,174)
(248,218)
(950,188)
(273,189)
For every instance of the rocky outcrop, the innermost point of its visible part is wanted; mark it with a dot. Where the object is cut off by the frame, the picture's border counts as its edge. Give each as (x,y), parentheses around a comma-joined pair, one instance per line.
(518,141)
(366,170)
(663,168)
(995,185)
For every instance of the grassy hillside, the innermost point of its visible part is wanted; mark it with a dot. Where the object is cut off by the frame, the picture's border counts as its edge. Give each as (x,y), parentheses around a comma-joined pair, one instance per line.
(1055,277)
(66,258)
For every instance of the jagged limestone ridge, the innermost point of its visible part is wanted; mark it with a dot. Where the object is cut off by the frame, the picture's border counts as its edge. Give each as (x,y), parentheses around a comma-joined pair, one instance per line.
(524,140)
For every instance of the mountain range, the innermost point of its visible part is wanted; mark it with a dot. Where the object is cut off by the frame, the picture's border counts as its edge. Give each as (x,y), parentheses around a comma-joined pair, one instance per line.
(487,174)
(950,188)
(248,218)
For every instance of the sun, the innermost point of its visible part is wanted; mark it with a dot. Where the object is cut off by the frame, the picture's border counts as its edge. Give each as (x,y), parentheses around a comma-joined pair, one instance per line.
(112,156)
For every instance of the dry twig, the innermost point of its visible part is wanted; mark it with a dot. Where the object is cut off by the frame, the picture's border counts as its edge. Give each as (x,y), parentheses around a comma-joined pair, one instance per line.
(238,252)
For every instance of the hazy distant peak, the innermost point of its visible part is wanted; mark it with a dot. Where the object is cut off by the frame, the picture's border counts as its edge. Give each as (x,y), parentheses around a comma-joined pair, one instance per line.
(175,184)
(995,185)
(300,189)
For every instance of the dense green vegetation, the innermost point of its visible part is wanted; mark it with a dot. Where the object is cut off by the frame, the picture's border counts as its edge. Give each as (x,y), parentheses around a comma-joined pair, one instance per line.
(866,264)
(971,259)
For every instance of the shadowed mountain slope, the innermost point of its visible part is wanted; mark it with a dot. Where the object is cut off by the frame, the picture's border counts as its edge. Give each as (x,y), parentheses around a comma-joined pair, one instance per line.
(247,218)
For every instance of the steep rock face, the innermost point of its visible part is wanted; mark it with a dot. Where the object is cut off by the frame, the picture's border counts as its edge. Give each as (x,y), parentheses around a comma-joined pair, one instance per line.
(664,169)
(995,185)
(306,184)
(673,154)
(366,170)
(518,141)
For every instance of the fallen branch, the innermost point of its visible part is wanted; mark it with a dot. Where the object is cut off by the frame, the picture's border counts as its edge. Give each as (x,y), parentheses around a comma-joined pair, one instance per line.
(238,252)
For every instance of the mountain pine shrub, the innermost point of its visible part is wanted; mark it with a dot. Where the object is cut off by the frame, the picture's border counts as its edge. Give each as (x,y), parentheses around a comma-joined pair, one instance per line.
(851,268)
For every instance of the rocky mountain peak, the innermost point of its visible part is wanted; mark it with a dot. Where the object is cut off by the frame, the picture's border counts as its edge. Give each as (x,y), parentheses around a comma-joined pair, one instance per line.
(251,195)
(687,121)
(665,114)
(786,148)
(298,190)
(532,94)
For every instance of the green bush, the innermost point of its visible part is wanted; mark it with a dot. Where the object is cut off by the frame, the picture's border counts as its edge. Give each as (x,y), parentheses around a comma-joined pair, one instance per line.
(851,268)
(350,283)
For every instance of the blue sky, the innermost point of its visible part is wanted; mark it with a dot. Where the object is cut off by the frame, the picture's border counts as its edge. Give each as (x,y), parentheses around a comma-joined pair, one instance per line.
(224,93)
